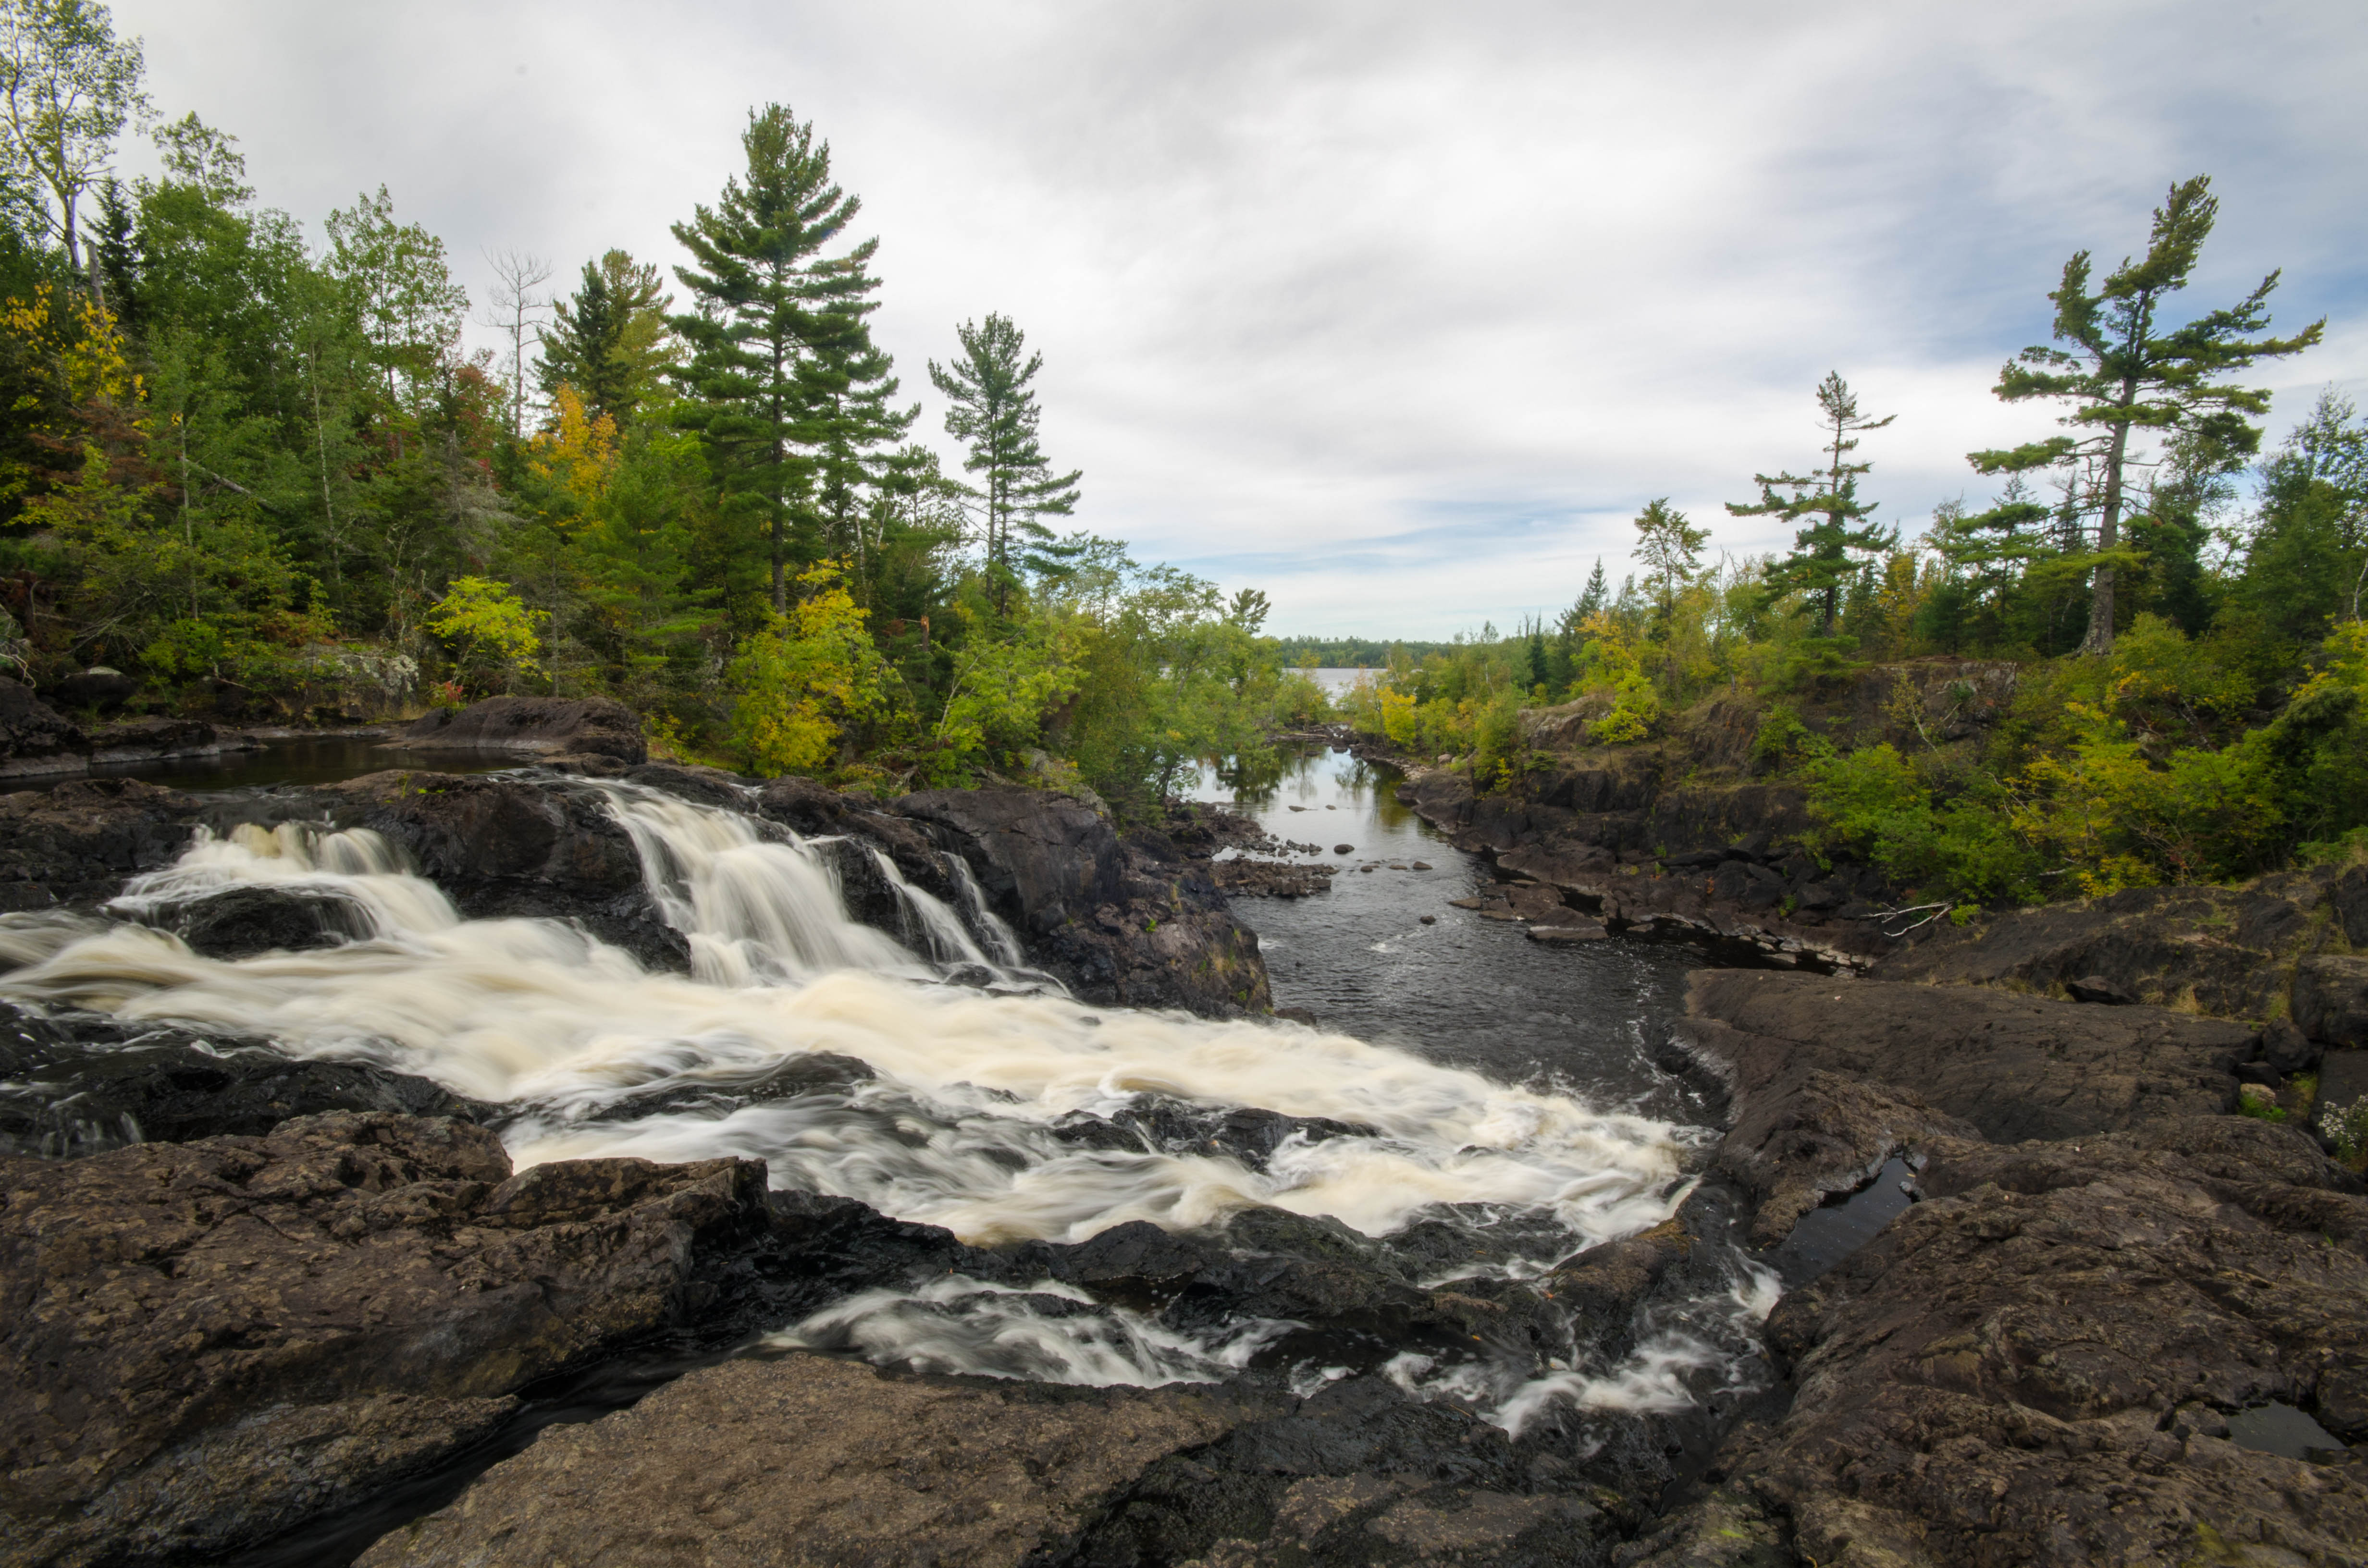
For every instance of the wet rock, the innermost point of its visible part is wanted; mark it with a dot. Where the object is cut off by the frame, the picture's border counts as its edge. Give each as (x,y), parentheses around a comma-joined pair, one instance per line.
(512,847)
(1115,926)
(722,1466)
(301,1317)
(239,922)
(1243,877)
(1998,1377)
(1244,1133)
(1360,1474)
(77,843)
(1343,849)
(1801,1133)
(703,786)
(2331,999)
(538,726)
(2014,1066)
(815,1072)
(80,1085)
(1571,934)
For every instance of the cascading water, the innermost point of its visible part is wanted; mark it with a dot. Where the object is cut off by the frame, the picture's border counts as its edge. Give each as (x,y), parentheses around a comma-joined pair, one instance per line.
(838,1055)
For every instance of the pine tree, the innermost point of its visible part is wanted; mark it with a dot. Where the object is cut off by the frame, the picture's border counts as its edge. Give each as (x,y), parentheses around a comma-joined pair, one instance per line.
(782,373)
(993,409)
(610,340)
(1820,564)
(2124,375)
(1669,546)
(1597,594)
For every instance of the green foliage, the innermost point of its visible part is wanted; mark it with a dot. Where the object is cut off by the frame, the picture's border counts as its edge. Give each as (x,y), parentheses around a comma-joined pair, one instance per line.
(497,637)
(805,678)
(1946,839)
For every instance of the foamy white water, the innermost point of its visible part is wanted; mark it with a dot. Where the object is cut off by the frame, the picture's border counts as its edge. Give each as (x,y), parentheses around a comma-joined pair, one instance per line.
(956,1126)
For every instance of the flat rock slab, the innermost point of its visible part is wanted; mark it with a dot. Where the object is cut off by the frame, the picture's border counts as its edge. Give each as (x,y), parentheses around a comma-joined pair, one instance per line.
(2038,1364)
(2014,1066)
(202,1345)
(806,1460)
(1568,936)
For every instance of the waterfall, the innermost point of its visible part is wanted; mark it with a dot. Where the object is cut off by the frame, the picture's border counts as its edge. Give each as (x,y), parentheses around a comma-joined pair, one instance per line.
(999,936)
(963,1111)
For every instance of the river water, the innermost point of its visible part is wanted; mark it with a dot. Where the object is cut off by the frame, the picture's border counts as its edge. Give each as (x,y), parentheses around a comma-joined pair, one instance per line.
(1461,1075)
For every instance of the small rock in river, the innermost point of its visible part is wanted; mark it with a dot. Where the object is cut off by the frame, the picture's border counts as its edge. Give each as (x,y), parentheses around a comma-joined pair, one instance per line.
(1560,936)
(1420,866)
(1430,919)
(1342,848)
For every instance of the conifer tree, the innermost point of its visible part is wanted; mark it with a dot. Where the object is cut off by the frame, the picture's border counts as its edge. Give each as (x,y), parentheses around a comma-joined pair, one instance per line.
(2124,374)
(783,371)
(995,411)
(610,340)
(1593,599)
(1820,563)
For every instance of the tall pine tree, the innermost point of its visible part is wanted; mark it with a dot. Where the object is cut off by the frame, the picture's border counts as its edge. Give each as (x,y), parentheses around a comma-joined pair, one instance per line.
(782,373)
(2123,374)
(993,410)
(610,340)
(1820,563)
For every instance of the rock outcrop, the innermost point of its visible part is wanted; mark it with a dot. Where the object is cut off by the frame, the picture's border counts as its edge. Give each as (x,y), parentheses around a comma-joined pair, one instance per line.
(2234,953)
(2056,1359)
(34,738)
(81,1084)
(206,1344)
(548,729)
(77,843)
(808,1460)
(1116,924)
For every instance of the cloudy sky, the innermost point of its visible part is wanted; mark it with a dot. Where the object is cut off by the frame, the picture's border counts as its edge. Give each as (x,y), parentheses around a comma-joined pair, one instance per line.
(1397,311)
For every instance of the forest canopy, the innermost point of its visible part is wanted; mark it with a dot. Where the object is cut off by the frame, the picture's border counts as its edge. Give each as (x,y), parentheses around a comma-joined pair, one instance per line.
(255,467)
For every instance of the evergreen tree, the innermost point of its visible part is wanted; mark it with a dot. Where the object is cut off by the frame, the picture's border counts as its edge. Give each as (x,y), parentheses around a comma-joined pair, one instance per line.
(1596,595)
(2124,374)
(993,409)
(781,364)
(610,340)
(1820,564)
(1671,547)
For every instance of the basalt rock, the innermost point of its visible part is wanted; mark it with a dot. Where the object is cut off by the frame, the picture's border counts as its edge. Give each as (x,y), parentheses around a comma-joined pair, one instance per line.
(155,739)
(80,1084)
(2014,1066)
(805,1461)
(209,1342)
(76,844)
(1116,925)
(2331,999)
(239,922)
(508,847)
(34,738)
(2038,1365)
(543,727)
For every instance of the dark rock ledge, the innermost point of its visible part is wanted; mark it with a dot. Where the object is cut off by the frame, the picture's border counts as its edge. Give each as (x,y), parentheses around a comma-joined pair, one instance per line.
(2066,1352)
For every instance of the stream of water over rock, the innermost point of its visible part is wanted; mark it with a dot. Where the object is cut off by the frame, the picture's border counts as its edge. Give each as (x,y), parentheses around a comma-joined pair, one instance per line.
(1460,1075)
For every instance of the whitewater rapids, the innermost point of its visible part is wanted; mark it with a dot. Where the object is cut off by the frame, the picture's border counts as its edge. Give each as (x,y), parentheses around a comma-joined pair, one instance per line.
(957,1123)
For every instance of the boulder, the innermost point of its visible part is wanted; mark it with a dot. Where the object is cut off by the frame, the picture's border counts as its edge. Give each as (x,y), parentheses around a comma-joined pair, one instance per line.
(545,727)
(2096,988)
(33,737)
(2287,1050)
(207,1344)
(241,921)
(98,689)
(81,1084)
(2331,999)
(2036,1365)
(2014,1066)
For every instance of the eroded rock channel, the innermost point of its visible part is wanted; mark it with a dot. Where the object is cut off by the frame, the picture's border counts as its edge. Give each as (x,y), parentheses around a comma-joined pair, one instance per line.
(609,1163)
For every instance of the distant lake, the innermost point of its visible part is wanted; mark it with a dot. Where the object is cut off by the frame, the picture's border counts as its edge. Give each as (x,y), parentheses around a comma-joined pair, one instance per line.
(1336,681)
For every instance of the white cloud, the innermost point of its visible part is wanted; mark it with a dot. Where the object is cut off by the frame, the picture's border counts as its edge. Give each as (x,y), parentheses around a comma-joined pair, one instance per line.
(1397,310)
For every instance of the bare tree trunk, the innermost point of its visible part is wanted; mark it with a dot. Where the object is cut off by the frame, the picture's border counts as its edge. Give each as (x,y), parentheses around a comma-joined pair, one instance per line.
(2100,594)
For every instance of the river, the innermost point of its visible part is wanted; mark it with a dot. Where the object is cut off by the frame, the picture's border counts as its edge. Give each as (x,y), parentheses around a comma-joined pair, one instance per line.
(1459,1076)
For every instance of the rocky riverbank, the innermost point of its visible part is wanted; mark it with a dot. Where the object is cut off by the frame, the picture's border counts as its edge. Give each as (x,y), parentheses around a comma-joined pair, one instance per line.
(264,1309)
